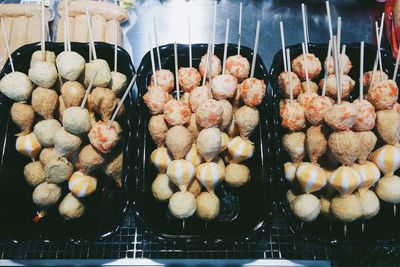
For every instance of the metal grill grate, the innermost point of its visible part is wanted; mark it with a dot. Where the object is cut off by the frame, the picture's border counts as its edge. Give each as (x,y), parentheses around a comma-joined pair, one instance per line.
(129,243)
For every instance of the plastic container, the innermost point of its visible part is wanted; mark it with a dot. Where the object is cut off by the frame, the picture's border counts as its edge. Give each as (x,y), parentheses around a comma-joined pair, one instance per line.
(104,209)
(244,211)
(381,228)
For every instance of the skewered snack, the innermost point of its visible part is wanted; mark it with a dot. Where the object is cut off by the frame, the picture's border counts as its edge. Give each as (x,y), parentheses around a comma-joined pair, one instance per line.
(313,63)
(388,126)
(71,207)
(46,195)
(345,146)
(66,143)
(316,142)
(194,127)
(247,119)
(34,173)
(82,185)
(252,91)
(118,82)
(207,206)
(224,142)
(43,74)
(331,89)
(209,113)
(189,78)
(289,169)
(224,86)
(199,95)
(182,204)
(44,102)
(367,143)
(23,116)
(70,65)
(237,175)
(310,177)
(58,170)
(72,92)
(155,99)
(76,120)
(195,187)
(227,112)
(383,94)
(193,156)
(103,102)
(210,174)
(158,129)
(305,98)
(101,67)
(293,117)
(345,61)
(238,66)
(313,87)
(176,112)
(162,187)
(47,154)
(377,77)
(388,189)
(90,159)
(161,159)
(306,207)
(370,204)
(387,158)
(346,209)
(113,166)
(369,173)
(50,57)
(45,130)
(209,143)
(16,86)
(341,116)
(178,141)
(165,79)
(283,83)
(181,173)
(317,109)
(104,137)
(28,145)
(366,116)
(215,66)
(240,149)
(294,144)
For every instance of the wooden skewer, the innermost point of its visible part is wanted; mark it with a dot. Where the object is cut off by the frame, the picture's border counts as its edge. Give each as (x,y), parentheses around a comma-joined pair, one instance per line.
(328,13)
(67,25)
(336,69)
(42,44)
(361,70)
(377,52)
(342,68)
(127,90)
(190,44)
(225,46)
(253,64)
(207,61)
(306,67)
(283,46)
(240,26)
(214,25)
(289,75)
(153,66)
(327,67)
(90,33)
(116,48)
(176,72)
(378,36)
(89,89)
(303,15)
(65,36)
(156,39)
(396,67)
(338,36)
(7,45)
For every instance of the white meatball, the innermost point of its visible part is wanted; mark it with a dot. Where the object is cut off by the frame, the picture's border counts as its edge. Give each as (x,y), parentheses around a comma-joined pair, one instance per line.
(43,74)
(182,205)
(103,77)
(46,195)
(118,81)
(215,66)
(71,207)
(45,130)
(37,56)
(306,207)
(70,65)
(76,120)
(16,86)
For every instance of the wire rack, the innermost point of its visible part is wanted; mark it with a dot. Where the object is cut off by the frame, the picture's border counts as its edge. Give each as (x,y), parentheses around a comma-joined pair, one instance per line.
(129,243)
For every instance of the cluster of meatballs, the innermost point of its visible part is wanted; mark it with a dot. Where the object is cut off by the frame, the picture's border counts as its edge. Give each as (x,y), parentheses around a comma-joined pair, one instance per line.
(196,135)
(67,140)
(339,140)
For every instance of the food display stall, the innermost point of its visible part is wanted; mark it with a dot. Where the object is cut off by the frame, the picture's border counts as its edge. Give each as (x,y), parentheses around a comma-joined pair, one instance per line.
(118,167)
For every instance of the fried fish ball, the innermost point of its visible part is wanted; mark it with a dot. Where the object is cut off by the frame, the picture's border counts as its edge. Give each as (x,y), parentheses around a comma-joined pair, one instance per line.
(388,189)
(178,141)
(388,126)
(292,115)
(237,175)
(367,144)
(103,77)
(71,208)
(313,66)
(118,82)
(66,143)
(383,94)
(198,95)
(162,187)
(252,91)
(305,98)
(209,113)
(316,142)
(189,78)
(224,86)
(209,143)
(76,120)
(90,159)
(283,83)
(165,79)
(44,102)
(345,146)
(207,206)
(158,129)
(105,138)
(238,66)
(37,56)
(370,204)
(313,87)
(113,166)
(70,65)
(366,116)
(346,209)
(34,173)
(182,204)
(176,112)
(214,69)
(306,207)
(46,195)
(16,86)
(194,127)
(294,144)
(23,116)
(226,118)
(47,154)
(317,108)
(61,108)
(155,99)
(45,131)
(43,74)
(103,102)
(347,86)
(58,170)
(346,64)
(247,119)
(341,116)
(72,93)
(377,77)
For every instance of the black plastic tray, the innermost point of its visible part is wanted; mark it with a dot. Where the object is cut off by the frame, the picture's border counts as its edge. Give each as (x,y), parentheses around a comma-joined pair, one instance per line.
(104,209)
(243,211)
(382,228)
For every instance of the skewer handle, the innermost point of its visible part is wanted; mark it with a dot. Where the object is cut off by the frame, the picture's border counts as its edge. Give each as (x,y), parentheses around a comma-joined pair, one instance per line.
(176,72)
(153,66)
(7,45)
(289,75)
(253,64)
(89,89)
(42,44)
(225,46)
(240,26)
(361,70)
(283,45)
(156,39)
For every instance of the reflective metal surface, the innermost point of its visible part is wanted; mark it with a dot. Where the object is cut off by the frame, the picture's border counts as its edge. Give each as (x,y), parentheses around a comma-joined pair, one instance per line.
(171,15)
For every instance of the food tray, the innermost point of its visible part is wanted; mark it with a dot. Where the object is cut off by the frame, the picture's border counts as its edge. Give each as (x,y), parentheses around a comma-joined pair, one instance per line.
(381,228)
(244,211)
(105,207)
